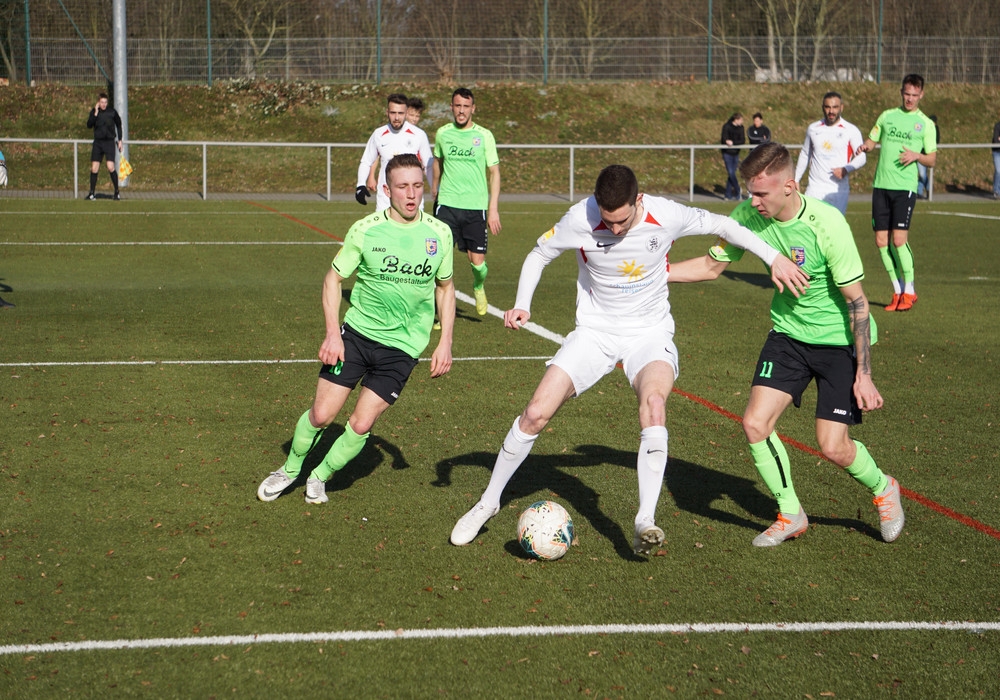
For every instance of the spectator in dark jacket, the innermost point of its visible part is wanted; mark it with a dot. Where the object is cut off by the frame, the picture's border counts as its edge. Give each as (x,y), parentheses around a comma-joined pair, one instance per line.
(107,126)
(758,133)
(733,135)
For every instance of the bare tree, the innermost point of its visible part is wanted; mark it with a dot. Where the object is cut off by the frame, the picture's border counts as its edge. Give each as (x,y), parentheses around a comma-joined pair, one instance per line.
(259,22)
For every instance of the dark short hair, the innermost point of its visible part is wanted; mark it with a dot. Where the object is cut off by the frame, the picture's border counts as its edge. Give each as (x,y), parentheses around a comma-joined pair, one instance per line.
(415,103)
(915,80)
(735,116)
(757,115)
(403,160)
(616,186)
(103,96)
(396,98)
(463,92)
(766,158)
(830,95)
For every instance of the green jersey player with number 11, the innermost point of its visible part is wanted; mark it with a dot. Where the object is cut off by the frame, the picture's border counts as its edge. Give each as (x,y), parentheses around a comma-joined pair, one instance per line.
(824,334)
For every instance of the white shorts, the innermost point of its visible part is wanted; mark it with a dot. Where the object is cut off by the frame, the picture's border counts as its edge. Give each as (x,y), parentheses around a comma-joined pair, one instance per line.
(587,355)
(835,196)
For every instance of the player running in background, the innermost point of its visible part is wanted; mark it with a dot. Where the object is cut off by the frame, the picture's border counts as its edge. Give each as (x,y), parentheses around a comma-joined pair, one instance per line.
(403,259)
(824,334)
(903,132)
(467,178)
(831,152)
(396,137)
(621,240)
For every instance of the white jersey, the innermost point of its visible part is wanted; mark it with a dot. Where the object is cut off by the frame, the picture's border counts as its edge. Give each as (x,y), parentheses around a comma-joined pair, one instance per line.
(622,280)
(826,148)
(385,143)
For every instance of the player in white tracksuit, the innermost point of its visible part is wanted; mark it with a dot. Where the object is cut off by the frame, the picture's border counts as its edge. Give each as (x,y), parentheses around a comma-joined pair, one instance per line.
(621,239)
(831,153)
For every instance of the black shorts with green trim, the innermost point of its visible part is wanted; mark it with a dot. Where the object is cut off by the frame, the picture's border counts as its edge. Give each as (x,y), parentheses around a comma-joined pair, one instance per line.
(788,365)
(380,368)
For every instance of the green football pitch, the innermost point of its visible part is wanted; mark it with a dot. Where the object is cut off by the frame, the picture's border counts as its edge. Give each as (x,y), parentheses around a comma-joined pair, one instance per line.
(160,353)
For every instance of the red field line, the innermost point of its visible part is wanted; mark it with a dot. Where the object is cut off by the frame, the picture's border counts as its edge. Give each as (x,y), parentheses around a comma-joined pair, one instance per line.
(912,495)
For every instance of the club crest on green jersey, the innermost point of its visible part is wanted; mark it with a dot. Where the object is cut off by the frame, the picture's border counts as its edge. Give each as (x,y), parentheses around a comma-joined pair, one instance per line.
(798,255)
(431,246)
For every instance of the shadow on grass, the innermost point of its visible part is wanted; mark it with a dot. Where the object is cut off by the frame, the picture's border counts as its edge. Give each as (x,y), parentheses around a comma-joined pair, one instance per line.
(371,456)
(695,489)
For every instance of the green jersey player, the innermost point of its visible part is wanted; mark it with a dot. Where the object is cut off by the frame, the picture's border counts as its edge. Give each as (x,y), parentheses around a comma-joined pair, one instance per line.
(824,334)
(908,137)
(403,261)
(467,177)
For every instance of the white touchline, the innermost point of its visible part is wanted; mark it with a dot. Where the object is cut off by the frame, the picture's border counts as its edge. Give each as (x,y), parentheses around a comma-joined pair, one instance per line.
(53,244)
(484,632)
(988,217)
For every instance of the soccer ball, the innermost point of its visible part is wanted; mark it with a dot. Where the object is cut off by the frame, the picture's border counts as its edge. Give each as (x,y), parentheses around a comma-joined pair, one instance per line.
(545,530)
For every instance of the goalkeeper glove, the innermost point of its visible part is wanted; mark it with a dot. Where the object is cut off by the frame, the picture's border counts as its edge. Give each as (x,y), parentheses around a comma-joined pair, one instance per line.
(360,194)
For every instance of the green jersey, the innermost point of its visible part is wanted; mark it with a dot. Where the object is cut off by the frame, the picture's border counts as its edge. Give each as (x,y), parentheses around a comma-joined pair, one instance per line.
(820,242)
(897,129)
(397,264)
(464,155)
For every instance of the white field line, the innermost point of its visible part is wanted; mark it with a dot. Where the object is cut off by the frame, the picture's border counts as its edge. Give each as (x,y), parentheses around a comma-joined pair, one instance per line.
(486,632)
(146,363)
(988,217)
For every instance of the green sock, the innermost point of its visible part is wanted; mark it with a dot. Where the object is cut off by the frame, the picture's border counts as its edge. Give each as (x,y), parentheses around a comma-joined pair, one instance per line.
(771,460)
(866,472)
(344,449)
(478,275)
(905,255)
(890,266)
(303,439)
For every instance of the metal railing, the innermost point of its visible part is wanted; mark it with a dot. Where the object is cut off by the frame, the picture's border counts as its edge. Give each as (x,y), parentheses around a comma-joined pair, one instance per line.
(570,149)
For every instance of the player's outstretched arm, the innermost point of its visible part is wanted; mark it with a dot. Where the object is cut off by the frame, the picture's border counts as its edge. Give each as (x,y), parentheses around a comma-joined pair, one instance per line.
(865,393)
(444,295)
(696,270)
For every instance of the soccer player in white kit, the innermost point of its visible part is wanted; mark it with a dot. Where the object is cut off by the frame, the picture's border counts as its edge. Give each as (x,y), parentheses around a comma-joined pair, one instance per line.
(392,139)
(621,240)
(831,153)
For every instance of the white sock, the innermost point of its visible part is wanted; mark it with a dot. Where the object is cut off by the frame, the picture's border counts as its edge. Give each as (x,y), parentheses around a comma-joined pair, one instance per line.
(515,449)
(651,465)
(897,286)
(908,288)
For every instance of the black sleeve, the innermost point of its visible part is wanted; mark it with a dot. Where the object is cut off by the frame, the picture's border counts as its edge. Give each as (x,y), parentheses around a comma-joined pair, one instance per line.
(118,125)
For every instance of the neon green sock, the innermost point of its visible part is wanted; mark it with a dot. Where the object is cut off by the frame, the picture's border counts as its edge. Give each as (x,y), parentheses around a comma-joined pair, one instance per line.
(478,275)
(905,255)
(866,472)
(771,460)
(344,449)
(303,439)
(889,263)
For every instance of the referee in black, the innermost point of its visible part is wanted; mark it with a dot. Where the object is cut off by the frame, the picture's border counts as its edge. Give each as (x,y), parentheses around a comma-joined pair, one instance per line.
(107,126)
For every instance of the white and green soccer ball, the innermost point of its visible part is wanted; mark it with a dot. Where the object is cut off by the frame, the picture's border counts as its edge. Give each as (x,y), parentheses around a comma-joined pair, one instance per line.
(545,530)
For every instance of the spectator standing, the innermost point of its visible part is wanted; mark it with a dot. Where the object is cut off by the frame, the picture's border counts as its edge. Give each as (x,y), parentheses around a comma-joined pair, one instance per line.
(732,135)
(996,161)
(758,133)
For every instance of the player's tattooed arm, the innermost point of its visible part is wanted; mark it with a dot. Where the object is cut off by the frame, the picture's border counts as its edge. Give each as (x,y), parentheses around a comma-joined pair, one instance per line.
(861,326)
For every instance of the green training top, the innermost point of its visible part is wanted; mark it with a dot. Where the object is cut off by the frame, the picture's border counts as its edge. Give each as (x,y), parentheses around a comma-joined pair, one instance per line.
(896,129)
(397,264)
(464,154)
(820,242)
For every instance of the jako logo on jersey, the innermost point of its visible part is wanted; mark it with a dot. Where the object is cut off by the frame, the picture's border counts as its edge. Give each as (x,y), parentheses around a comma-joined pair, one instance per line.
(653,244)
(378,249)
(431,246)
(798,256)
